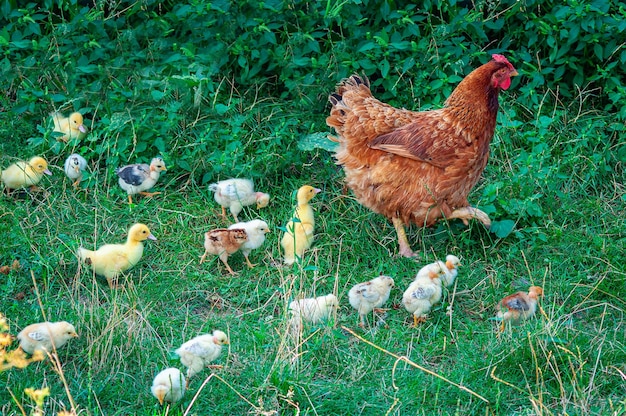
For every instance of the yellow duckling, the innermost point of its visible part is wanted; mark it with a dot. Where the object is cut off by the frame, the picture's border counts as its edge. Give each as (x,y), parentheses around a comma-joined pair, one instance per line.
(112,259)
(299,235)
(24,174)
(72,127)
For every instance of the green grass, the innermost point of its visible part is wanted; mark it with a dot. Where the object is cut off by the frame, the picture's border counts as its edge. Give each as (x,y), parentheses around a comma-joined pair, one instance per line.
(569,359)
(229,100)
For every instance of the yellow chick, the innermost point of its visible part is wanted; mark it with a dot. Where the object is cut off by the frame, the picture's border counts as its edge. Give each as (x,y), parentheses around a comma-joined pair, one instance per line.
(300,229)
(112,259)
(235,194)
(223,243)
(169,386)
(452,270)
(24,174)
(75,165)
(313,310)
(256,230)
(423,293)
(199,352)
(72,127)
(368,296)
(46,336)
(138,178)
(519,306)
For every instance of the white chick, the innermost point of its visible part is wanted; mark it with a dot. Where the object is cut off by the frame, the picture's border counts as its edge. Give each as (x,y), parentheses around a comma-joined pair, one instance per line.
(235,194)
(256,230)
(423,293)
(42,336)
(368,296)
(75,165)
(452,270)
(200,351)
(169,386)
(314,310)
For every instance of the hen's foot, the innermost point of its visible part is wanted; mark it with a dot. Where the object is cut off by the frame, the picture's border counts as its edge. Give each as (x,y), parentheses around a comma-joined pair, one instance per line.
(470,213)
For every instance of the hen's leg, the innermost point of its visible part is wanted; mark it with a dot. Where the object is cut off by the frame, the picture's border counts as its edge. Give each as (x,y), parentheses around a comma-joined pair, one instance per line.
(405,248)
(469,213)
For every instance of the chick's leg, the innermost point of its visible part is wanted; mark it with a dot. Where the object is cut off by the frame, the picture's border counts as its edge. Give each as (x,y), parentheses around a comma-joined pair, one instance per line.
(405,248)
(203,256)
(149,194)
(224,258)
(468,213)
(250,265)
(130,199)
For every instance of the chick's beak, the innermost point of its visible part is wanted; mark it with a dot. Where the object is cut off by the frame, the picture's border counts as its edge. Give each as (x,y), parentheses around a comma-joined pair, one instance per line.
(74,335)
(47,172)
(82,128)
(152,237)
(161,397)
(317,190)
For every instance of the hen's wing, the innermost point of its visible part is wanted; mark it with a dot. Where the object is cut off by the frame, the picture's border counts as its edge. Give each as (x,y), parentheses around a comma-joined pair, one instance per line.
(134,174)
(431,137)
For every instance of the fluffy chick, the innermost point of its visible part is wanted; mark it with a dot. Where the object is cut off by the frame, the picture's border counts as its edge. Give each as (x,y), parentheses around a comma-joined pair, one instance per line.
(138,178)
(200,351)
(45,336)
(301,227)
(75,165)
(223,242)
(112,259)
(519,306)
(169,386)
(313,310)
(72,127)
(423,293)
(256,230)
(452,270)
(368,296)
(235,194)
(24,174)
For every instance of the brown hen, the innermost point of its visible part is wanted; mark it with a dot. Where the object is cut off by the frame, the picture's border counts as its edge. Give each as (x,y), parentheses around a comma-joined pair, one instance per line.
(418,167)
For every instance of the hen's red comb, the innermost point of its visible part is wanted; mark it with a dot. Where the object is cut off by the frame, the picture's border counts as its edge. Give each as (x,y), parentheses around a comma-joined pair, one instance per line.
(500,58)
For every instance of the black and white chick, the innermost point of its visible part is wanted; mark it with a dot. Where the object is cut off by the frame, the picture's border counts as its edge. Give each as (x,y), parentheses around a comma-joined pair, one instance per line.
(140,177)
(75,165)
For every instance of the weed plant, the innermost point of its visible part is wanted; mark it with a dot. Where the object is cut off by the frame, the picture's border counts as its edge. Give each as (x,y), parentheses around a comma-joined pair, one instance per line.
(554,186)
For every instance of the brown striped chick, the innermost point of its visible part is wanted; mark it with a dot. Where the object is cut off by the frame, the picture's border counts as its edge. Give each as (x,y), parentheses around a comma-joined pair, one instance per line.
(24,174)
(300,229)
(235,194)
(111,260)
(138,178)
(423,293)
(46,336)
(169,386)
(72,127)
(75,165)
(256,230)
(518,306)
(223,243)
(199,352)
(368,296)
